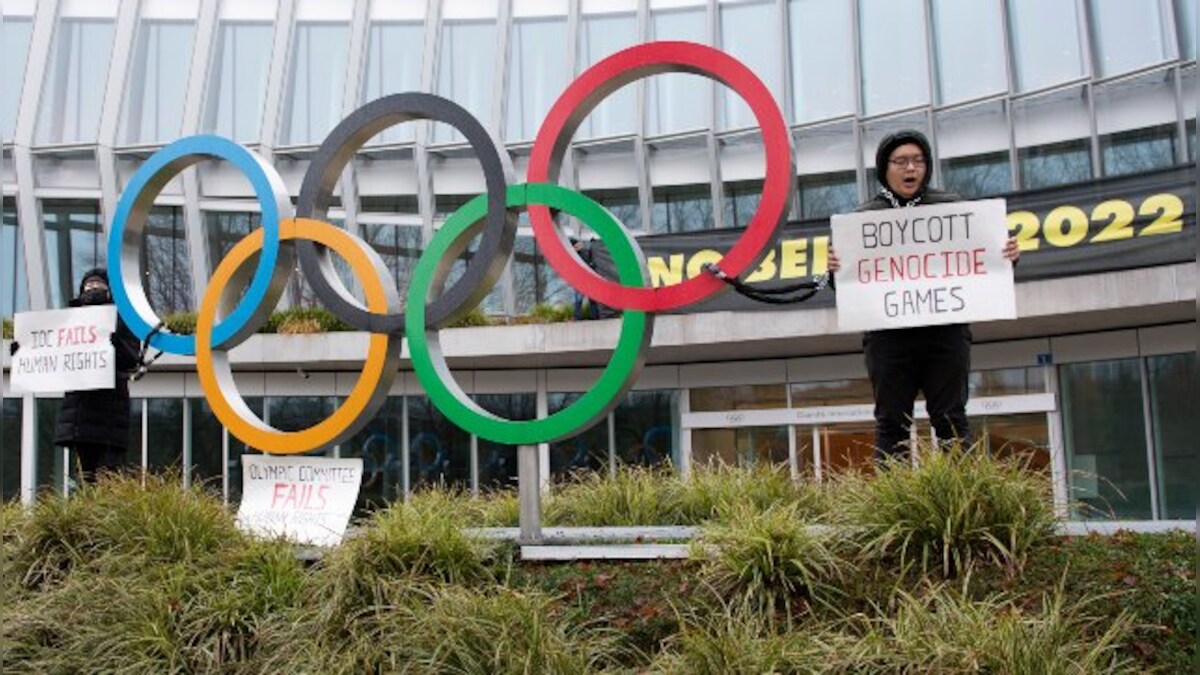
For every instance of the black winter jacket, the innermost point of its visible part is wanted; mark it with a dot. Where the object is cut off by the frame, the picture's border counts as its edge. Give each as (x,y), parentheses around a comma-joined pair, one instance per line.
(101,416)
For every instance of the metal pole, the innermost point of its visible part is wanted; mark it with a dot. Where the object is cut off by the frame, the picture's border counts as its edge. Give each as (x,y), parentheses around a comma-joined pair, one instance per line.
(530,493)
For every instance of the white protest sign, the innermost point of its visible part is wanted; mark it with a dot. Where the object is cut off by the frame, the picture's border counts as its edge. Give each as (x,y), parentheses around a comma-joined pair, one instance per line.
(305,499)
(925,265)
(64,350)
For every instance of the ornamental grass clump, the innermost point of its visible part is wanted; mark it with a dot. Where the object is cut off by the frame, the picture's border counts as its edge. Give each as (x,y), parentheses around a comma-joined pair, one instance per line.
(712,487)
(634,496)
(772,558)
(954,510)
(945,631)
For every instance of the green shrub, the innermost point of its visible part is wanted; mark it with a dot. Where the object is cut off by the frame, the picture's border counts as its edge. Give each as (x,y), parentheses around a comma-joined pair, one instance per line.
(635,495)
(953,510)
(713,487)
(547,313)
(181,323)
(943,631)
(771,557)
(316,319)
(7,329)
(476,317)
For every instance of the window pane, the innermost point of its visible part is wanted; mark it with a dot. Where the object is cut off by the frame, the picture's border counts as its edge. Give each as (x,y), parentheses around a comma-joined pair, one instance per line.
(1006,382)
(977,177)
(206,468)
(1023,436)
(601,35)
(399,246)
(1136,121)
(534,281)
(848,447)
(157,82)
(164,434)
(825,195)
(1173,394)
(498,462)
(586,452)
(1045,42)
(681,209)
(1106,439)
(237,449)
(646,428)
(466,69)
(888,26)
(74,245)
(10,448)
(75,82)
(743,36)
(238,80)
(969,42)
(678,102)
(318,72)
(1056,164)
(1052,134)
(624,205)
(379,444)
(394,66)
(740,397)
(1113,22)
(439,452)
(535,76)
(166,266)
(746,447)
(14,48)
(741,202)
(831,392)
(822,52)
(14,294)
(50,466)
(1138,151)
(973,148)
(1185,24)
(224,229)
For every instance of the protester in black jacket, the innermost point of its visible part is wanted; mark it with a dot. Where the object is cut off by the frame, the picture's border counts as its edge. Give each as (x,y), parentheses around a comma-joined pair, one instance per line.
(95,424)
(935,360)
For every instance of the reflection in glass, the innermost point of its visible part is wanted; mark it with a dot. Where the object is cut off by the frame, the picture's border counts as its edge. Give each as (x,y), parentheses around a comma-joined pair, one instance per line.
(498,462)
(969,42)
(1105,436)
(678,102)
(74,245)
(1006,382)
(683,208)
(804,451)
(601,35)
(646,428)
(534,281)
(738,397)
(1025,437)
(1055,164)
(1173,394)
(14,294)
(831,392)
(741,202)
(623,204)
(225,229)
(586,452)
(973,145)
(164,434)
(10,448)
(393,66)
(1045,42)
(466,69)
(237,449)
(977,177)
(848,447)
(1138,151)
(317,77)
(75,82)
(824,195)
(166,270)
(14,48)
(745,447)
(1185,24)
(380,444)
(894,60)
(535,75)
(238,80)
(1113,23)
(207,432)
(157,82)
(743,37)
(296,413)
(50,466)
(399,246)
(822,53)
(439,452)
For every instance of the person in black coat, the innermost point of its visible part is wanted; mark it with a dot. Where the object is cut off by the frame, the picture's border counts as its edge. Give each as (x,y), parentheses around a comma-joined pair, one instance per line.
(901,362)
(95,424)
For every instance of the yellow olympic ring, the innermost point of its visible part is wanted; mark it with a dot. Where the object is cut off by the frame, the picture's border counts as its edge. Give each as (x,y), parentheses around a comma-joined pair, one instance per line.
(216,377)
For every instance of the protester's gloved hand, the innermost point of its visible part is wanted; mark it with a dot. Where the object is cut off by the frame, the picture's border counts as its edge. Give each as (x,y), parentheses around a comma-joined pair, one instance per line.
(112,339)
(13,347)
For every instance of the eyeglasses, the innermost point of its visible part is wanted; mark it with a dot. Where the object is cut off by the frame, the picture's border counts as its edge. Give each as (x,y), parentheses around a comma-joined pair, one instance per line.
(901,162)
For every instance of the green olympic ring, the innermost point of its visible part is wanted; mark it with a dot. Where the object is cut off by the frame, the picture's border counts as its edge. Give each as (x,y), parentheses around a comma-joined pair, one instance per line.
(424,343)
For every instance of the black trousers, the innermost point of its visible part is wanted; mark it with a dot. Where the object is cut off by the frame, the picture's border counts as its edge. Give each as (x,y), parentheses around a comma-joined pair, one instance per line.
(97,457)
(934,360)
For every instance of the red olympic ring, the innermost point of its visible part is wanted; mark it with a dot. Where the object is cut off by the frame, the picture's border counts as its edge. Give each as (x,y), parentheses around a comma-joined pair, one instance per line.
(585,93)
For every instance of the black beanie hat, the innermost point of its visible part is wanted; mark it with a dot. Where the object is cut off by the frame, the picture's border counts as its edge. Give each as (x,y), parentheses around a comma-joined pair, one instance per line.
(96,272)
(893,141)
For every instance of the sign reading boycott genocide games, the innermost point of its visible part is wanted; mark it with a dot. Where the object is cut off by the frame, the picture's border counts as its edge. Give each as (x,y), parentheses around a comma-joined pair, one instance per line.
(306,499)
(923,266)
(64,350)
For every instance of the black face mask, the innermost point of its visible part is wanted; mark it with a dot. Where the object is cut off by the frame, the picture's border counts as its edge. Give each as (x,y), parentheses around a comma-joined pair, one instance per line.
(95,296)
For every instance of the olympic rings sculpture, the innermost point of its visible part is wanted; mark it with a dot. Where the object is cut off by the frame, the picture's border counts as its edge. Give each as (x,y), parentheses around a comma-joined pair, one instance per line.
(250,280)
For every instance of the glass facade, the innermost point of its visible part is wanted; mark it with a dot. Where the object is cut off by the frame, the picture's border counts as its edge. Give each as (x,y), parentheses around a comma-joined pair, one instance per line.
(157,82)
(822,59)
(14,294)
(892,30)
(601,34)
(1173,391)
(77,76)
(467,67)
(74,245)
(678,102)
(237,81)
(14,48)
(10,448)
(317,76)
(393,66)
(534,81)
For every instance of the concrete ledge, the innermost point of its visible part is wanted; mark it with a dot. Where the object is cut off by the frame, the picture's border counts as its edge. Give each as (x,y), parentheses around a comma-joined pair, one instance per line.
(652,533)
(610,552)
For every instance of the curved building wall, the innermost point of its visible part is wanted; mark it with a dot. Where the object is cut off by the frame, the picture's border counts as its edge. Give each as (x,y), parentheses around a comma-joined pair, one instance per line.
(1014,94)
